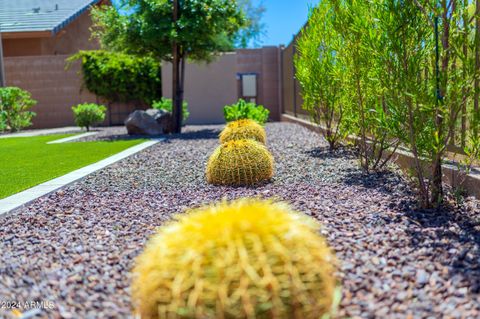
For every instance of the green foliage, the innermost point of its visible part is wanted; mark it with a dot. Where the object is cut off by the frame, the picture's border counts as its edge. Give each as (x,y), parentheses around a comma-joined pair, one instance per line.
(394,72)
(15,104)
(166,104)
(253,30)
(320,72)
(120,77)
(204,27)
(88,114)
(243,110)
(240,163)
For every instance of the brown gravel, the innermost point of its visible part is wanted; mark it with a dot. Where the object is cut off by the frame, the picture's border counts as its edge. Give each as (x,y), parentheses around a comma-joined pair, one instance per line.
(76,247)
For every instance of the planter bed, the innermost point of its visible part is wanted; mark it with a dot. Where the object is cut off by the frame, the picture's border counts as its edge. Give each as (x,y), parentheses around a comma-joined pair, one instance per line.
(76,247)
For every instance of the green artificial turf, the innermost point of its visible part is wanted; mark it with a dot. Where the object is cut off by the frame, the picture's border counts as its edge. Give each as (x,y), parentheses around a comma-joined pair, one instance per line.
(29,161)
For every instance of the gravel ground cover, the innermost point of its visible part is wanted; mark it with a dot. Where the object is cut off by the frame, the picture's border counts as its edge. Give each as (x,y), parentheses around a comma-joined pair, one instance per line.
(76,247)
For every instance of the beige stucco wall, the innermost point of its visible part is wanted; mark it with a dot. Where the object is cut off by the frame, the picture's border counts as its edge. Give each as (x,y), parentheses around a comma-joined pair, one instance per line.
(208,88)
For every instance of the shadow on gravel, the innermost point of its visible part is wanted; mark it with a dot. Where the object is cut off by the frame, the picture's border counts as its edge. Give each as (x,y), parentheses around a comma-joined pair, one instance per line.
(385,181)
(452,237)
(203,134)
(324,152)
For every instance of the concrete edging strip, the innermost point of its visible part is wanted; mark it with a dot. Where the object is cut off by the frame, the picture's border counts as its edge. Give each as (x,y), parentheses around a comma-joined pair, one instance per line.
(41,132)
(72,138)
(11,203)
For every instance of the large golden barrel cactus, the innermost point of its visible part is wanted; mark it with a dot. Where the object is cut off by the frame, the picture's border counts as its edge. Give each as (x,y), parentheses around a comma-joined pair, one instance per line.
(240,162)
(245,259)
(242,130)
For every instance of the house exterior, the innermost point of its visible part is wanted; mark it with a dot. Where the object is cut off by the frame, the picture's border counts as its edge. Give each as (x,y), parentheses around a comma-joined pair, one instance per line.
(37,37)
(46,27)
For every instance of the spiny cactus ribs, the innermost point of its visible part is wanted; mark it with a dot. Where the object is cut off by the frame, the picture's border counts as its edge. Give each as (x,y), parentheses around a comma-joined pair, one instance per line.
(240,163)
(245,259)
(242,130)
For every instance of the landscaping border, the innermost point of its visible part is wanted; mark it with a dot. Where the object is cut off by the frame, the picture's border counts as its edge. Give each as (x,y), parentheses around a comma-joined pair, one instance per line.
(19,200)
(405,160)
(72,138)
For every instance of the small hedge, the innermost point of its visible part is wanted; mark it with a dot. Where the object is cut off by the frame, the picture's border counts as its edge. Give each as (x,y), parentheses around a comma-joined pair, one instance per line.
(88,114)
(246,110)
(15,105)
(120,77)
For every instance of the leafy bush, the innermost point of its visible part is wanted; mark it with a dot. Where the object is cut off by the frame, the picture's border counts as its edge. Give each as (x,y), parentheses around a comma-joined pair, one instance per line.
(243,130)
(166,104)
(246,110)
(88,114)
(14,109)
(120,77)
(240,163)
(250,259)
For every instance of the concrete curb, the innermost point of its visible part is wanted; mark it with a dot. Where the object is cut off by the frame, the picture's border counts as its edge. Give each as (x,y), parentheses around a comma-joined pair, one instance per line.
(72,138)
(41,132)
(16,201)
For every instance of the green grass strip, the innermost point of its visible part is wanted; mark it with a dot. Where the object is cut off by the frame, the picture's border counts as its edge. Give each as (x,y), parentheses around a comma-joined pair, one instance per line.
(29,161)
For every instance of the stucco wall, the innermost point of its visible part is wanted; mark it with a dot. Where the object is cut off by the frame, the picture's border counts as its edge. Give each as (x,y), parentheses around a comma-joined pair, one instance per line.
(265,63)
(208,87)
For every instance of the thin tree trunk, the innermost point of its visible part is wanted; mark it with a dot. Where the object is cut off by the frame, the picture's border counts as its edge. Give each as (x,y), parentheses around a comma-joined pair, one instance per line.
(2,69)
(477,64)
(176,95)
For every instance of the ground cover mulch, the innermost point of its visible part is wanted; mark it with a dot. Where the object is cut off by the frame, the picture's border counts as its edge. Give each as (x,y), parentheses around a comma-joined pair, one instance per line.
(76,246)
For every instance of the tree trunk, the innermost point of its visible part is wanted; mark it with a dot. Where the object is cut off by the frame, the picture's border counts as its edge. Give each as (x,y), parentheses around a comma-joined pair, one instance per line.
(176,83)
(477,64)
(2,70)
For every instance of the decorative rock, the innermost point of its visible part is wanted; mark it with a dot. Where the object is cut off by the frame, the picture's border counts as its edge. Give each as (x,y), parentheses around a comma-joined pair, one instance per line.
(149,122)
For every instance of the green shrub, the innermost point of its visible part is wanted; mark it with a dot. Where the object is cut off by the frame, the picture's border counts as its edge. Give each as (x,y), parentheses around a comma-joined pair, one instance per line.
(14,109)
(88,114)
(120,77)
(166,104)
(246,110)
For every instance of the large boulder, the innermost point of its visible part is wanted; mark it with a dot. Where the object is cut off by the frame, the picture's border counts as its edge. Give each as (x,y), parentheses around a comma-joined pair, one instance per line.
(163,117)
(149,122)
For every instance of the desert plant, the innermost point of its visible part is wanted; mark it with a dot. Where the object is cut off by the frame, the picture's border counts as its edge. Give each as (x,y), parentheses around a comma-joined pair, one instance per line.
(246,110)
(250,259)
(88,114)
(15,104)
(243,130)
(166,104)
(320,73)
(241,162)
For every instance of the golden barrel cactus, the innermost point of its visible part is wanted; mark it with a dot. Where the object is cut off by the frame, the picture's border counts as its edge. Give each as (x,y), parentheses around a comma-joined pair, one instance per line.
(245,259)
(240,162)
(242,130)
